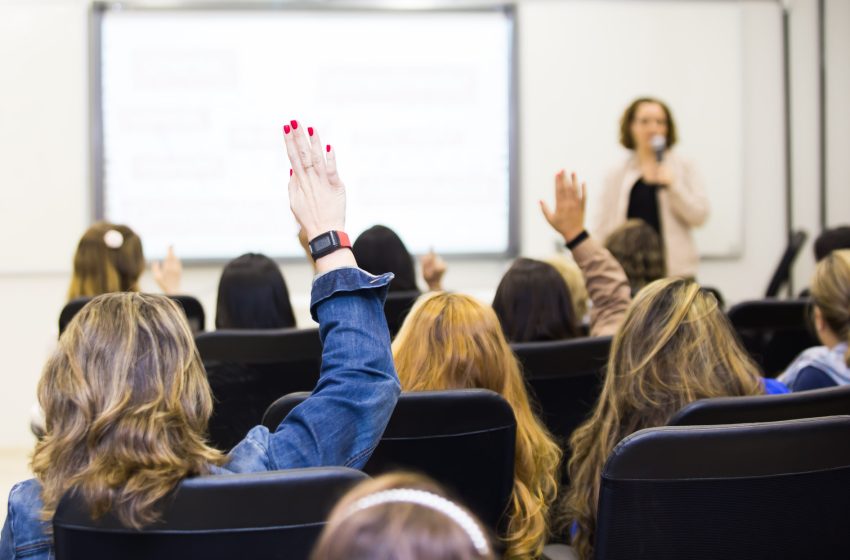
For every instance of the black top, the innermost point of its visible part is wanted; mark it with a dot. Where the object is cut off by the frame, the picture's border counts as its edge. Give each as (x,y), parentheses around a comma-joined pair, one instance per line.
(643,204)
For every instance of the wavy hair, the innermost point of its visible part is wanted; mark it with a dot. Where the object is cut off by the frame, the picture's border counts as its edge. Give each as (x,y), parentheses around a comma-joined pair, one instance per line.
(452,341)
(831,294)
(101,269)
(637,247)
(398,530)
(675,346)
(126,404)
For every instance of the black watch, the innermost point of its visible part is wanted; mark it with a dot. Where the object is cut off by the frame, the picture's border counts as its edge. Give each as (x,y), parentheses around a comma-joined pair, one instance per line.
(327,243)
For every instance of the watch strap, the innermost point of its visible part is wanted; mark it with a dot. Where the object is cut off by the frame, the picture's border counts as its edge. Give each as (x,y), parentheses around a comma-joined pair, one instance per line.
(328,242)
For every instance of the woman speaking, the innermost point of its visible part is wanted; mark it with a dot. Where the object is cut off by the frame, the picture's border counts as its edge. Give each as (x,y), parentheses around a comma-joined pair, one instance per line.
(655,185)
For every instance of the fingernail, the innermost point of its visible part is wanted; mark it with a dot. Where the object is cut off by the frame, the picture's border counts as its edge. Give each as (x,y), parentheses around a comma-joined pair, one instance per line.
(328,148)
(294,125)
(290,173)
(310,130)
(286,129)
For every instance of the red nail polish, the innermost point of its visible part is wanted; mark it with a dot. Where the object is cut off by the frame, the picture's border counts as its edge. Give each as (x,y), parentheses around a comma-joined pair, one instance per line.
(294,125)
(286,129)
(328,148)
(290,173)
(310,130)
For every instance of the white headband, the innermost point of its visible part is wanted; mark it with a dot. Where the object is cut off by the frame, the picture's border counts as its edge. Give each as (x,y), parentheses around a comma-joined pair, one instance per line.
(113,239)
(429,500)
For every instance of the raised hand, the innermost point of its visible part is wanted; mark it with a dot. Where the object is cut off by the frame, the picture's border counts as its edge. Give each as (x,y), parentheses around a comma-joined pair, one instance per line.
(433,269)
(168,273)
(568,216)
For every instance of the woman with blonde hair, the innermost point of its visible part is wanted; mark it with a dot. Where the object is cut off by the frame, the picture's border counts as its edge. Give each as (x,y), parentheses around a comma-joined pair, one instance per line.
(127,400)
(674,347)
(452,341)
(827,365)
(109,258)
(401,516)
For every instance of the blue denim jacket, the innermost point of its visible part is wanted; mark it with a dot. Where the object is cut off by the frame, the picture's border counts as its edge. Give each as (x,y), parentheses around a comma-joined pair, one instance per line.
(340,424)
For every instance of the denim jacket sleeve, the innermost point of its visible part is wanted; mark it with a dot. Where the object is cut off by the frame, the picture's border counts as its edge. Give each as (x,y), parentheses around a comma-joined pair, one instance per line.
(24,534)
(344,418)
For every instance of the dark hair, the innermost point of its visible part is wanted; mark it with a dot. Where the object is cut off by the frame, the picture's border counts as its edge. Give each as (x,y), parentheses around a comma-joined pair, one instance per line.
(626,138)
(831,239)
(378,250)
(637,246)
(252,294)
(533,303)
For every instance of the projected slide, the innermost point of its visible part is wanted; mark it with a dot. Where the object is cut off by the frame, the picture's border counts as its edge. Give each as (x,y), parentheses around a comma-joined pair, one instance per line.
(417,106)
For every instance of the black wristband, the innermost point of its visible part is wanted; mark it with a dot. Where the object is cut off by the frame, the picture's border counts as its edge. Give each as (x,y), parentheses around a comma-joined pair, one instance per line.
(575,241)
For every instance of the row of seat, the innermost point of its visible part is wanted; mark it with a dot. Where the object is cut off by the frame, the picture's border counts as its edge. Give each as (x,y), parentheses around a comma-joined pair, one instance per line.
(680,491)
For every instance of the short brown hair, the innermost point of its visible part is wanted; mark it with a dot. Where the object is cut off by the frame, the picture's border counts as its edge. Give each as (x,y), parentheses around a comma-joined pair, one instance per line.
(626,138)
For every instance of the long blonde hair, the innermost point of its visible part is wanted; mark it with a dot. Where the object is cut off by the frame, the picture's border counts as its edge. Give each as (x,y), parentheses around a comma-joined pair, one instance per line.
(451,341)
(109,258)
(126,404)
(398,530)
(674,347)
(831,294)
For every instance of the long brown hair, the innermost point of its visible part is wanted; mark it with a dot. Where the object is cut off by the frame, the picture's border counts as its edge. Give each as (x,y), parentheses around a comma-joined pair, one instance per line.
(126,404)
(101,268)
(452,341)
(398,530)
(831,294)
(675,346)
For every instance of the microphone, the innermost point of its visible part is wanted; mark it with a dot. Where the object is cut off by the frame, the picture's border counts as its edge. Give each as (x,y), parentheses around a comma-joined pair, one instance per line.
(658,144)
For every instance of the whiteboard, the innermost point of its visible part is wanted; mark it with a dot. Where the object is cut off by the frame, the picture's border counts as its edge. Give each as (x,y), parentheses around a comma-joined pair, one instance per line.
(416,105)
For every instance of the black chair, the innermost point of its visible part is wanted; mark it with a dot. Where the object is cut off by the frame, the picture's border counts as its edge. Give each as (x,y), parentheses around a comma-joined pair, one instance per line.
(782,274)
(264,515)
(396,308)
(773,331)
(769,490)
(833,401)
(464,439)
(192,307)
(249,369)
(564,378)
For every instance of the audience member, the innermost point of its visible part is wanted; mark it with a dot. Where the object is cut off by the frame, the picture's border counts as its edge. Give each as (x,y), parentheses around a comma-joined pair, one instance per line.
(827,365)
(830,240)
(452,341)
(252,294)
(127,401)
(380,250)
(656,185)
(571,273)
(109,258)
(674,347)
(637,247)
(401,517)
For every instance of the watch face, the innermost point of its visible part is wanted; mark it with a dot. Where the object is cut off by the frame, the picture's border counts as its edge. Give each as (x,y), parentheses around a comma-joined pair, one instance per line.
(321,243)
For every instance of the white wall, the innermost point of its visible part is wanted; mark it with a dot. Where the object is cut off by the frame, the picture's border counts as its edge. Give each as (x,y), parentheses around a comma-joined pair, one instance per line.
(837,39)
(44,139)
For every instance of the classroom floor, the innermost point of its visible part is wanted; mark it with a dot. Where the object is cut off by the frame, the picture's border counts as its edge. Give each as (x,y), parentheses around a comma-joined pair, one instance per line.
(14,467)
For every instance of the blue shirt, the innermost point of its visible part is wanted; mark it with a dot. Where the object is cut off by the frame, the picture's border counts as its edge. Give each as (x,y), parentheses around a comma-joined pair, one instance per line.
(339,424)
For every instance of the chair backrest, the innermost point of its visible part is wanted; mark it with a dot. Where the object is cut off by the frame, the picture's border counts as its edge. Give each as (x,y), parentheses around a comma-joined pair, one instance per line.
(465,439)
(564,378)
(191,307)
(397,306)
(782,274)
(249,369)
(773,331)
(263,515)
(769,490)
(833,401)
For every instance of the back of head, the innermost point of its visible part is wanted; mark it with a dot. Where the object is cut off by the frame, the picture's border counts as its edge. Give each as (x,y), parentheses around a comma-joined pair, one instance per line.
(126,404)
(831,240)
(831,294)
(571,273)
(401,517)
(378,250)
(252,294)
(675,346)
(452,341)
(637,247)
(109,258)
(533,303)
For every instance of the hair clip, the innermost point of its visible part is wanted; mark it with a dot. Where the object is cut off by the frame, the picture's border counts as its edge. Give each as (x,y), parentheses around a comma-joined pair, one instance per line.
(113,239)
(429,500)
